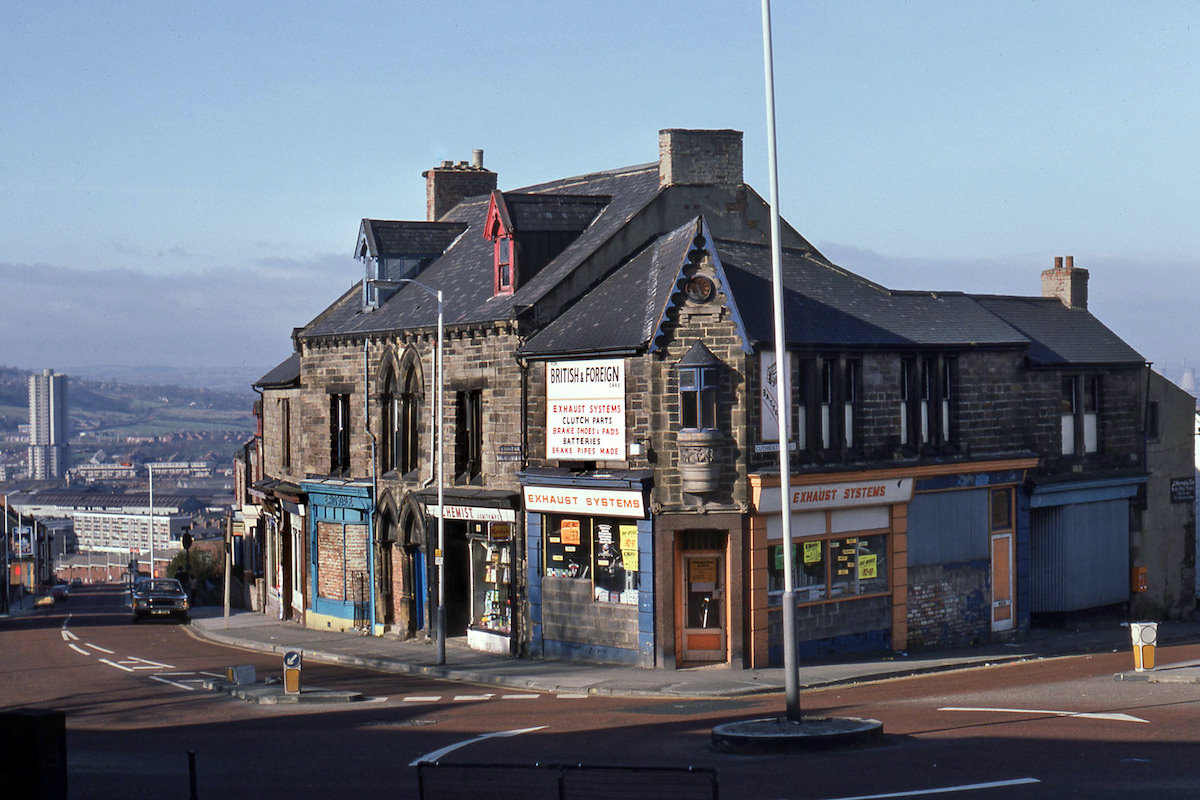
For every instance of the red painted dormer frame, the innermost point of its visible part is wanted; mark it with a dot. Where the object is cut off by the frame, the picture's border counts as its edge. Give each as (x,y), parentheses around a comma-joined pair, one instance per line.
(499,230)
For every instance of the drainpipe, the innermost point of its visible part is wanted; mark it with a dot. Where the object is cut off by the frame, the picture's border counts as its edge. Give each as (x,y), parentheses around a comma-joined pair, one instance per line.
(374,486)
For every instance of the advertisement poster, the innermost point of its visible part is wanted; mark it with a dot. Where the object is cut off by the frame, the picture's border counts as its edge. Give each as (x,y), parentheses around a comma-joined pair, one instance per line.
(629,546)
(585,410)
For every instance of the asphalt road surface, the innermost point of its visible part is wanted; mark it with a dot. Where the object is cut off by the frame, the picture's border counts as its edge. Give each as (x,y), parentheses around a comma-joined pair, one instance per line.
(135,708)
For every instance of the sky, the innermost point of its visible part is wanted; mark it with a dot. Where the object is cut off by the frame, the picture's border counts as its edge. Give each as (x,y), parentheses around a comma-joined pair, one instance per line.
(181,184)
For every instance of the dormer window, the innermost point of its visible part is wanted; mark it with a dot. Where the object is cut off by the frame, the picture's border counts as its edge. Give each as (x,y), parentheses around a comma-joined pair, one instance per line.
(504,265)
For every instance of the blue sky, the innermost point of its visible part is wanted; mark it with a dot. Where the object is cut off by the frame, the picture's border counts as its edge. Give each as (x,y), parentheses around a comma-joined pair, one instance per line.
(181,183)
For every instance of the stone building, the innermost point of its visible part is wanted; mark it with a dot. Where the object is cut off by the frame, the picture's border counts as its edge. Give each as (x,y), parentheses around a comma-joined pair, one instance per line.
(609,433)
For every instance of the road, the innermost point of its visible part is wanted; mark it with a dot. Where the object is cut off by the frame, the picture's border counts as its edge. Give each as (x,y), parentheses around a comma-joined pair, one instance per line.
(135,709)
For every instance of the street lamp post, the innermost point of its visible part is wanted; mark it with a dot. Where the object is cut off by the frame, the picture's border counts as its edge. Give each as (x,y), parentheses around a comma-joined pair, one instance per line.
(791,672)
(150,470)
(440,554)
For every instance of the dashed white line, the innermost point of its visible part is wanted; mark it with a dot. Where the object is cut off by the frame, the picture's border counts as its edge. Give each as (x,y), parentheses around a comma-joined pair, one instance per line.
(422,699)
(98,647)
(460,697)
(78,649)
(519,696)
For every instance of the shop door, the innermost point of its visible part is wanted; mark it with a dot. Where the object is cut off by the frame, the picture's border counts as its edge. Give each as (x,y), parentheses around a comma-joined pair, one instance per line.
(1002,582)
(702,600)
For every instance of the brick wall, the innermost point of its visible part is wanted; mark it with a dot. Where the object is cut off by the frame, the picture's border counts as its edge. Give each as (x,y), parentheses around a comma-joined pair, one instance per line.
(949,604)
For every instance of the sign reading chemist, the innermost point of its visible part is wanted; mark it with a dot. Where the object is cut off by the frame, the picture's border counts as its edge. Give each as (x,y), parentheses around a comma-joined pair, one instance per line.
(585,410)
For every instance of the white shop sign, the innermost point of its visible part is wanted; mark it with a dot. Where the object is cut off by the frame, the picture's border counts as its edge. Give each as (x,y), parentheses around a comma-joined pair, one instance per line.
(590,502)
(585,410)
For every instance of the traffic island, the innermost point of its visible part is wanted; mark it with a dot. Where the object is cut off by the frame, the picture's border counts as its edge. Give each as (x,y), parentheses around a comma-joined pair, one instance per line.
(270,693)
(781,735)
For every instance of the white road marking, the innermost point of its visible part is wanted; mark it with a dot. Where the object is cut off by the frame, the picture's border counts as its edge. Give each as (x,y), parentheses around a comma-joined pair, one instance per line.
(966,787)
(460,697)
(68,636)
(142,663)
(519,696)
(98,647)
(115,664)
(176,684)
(1110,716)
(78,649)
(568,696)
(422,699)
(436,754)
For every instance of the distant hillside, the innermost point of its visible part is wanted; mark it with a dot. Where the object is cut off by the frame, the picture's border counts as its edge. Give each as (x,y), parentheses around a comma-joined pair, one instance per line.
(99,404)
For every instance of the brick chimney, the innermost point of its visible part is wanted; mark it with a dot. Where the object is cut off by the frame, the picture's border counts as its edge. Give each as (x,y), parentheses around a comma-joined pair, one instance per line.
(1067,283)
(449,184)
(693,158)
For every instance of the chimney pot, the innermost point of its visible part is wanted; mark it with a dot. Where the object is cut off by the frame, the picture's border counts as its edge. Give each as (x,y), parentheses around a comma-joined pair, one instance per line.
(1058,262)
(477,159)
(1070,262)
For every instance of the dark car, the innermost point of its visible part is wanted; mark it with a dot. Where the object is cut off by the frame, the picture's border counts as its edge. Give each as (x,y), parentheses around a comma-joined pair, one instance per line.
(60,592)
(76,583)
(159,597)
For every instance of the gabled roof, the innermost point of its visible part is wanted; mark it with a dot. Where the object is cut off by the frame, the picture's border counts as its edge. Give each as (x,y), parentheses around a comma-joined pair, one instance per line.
(382,238)
(623,312)
(1060,335)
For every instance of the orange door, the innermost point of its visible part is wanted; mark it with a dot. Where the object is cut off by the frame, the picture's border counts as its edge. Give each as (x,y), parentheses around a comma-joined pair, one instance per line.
(1002,582)
(702,600)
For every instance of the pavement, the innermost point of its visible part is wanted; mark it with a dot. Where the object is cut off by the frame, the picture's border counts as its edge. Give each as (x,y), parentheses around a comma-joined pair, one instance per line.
(257,632)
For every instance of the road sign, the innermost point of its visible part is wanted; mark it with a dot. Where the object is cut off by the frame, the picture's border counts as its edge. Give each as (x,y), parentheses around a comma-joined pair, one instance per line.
(292,662)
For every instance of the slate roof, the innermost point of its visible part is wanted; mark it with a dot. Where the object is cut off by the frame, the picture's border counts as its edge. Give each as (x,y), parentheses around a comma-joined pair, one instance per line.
(824,305)
(286,373)
(384,238)
(1061,335)
(623,311)
(550,212)
(464,271)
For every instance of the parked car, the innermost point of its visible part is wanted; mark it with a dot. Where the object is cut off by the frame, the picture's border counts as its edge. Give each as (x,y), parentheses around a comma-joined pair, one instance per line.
(159,597)
(76,583)
(61,593)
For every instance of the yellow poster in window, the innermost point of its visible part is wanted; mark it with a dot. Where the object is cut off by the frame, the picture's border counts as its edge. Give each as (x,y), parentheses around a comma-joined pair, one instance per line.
(867,567)
(812,552)
(629,546)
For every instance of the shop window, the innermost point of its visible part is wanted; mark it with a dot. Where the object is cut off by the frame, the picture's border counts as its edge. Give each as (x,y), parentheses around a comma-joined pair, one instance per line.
(339,433)
(698,398)
(468,436)
(599,550)
(830,568)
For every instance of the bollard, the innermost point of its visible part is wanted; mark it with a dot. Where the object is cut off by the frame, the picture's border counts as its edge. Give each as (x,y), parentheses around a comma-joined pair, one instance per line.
(1144,635)
(292,664)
